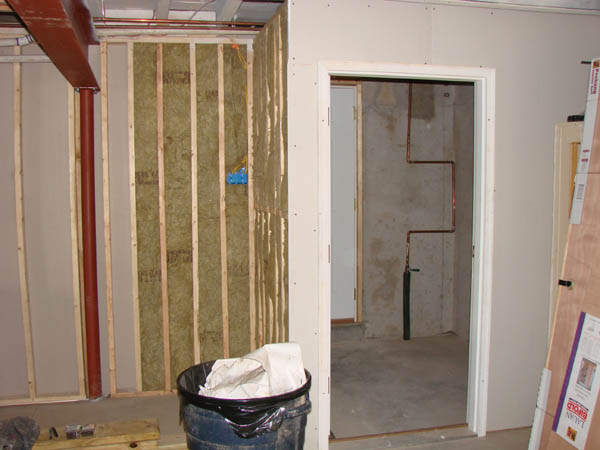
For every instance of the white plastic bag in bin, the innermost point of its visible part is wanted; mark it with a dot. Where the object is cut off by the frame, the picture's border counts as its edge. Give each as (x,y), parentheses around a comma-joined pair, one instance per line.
(273,369)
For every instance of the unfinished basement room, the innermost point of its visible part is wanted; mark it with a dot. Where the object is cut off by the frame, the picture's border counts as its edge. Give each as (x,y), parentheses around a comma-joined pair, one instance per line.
(388,196)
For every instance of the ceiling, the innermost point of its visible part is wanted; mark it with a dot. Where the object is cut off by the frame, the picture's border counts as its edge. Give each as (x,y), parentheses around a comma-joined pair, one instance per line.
(261,11)
(207,10)
(221,10)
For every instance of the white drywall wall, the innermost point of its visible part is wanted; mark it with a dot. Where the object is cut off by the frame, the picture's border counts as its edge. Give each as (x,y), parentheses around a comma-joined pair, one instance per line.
(47,228)
(539,80)
(13,377)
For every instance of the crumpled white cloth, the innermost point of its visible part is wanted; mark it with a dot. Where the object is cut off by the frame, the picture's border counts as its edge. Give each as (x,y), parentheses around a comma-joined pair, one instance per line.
(271,370)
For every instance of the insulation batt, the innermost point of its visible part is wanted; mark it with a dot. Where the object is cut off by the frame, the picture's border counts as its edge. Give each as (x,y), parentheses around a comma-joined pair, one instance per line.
(271,370)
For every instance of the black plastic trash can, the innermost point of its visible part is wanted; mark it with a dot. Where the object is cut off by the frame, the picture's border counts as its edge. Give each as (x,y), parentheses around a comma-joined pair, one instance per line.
(210,423)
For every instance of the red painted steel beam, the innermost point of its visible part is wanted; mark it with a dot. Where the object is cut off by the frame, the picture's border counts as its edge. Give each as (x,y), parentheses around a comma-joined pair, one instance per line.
(64,29)
(88,218)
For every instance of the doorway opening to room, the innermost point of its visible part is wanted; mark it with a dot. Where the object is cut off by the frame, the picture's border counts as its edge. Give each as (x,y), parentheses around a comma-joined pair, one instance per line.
(402,167)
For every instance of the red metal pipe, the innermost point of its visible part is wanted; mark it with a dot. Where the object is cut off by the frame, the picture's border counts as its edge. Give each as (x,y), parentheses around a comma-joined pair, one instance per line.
(408,160)
(88,218)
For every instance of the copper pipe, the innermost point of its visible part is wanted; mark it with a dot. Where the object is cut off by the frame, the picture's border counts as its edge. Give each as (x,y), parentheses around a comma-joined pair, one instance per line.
(168,27)
(410,161)
(178,22)
(88,218)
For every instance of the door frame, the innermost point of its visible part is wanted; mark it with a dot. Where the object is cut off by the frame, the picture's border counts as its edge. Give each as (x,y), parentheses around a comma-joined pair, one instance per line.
(358,304)
(484,80)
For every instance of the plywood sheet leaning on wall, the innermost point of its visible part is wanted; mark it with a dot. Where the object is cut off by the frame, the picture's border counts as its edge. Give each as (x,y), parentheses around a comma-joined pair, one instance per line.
(147,214)
(236,198)
(270,179)
(579,427)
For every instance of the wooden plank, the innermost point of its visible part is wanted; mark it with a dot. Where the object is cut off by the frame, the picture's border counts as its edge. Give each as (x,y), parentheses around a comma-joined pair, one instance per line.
(142,394)
(359,205)
(44,399)
(162,215)
(259,280)
(107,228)
(270,298)
(278,116)
(565,136)
(282,171)
(73,210)
(131,433)
(18,161)
(282,174)
(251,209)
(194,176)
(284,308)
(132,202)
(236,198)
(183,39)
(222,215)
(79,217)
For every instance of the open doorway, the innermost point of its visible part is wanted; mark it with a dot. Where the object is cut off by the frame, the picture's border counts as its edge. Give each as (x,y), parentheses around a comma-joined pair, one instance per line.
(406,146)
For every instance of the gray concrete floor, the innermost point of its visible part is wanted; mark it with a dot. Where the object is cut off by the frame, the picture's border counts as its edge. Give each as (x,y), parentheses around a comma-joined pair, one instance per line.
(436,359)
(389,385)
(449,439)
(166,410)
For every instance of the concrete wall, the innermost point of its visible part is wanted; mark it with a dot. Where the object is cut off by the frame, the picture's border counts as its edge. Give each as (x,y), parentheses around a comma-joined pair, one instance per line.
(539,80)
(462,138)
(399,197)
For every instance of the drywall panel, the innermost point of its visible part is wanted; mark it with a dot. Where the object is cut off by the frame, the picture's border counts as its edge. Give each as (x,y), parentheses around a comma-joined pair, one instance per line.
(120,216)
(13,382)
(47,228)
(148,237)
(178,193)
(539,82)
(209,250)
(236,197)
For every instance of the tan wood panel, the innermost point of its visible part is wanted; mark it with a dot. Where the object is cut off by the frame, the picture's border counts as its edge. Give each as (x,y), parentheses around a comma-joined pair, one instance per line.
(144,433)
(581,268)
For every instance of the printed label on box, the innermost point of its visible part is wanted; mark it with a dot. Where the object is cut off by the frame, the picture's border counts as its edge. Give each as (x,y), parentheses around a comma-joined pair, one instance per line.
(581,384)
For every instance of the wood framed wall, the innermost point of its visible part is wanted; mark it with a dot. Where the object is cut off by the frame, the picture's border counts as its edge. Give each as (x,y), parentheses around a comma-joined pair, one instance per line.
(188,121)
(189,262)
(40,281)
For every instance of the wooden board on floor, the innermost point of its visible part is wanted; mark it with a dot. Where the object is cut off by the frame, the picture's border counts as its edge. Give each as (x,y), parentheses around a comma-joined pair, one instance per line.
(115,435)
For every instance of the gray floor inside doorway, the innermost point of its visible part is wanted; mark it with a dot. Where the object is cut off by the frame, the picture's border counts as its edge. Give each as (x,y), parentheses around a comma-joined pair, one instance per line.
(389,385)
